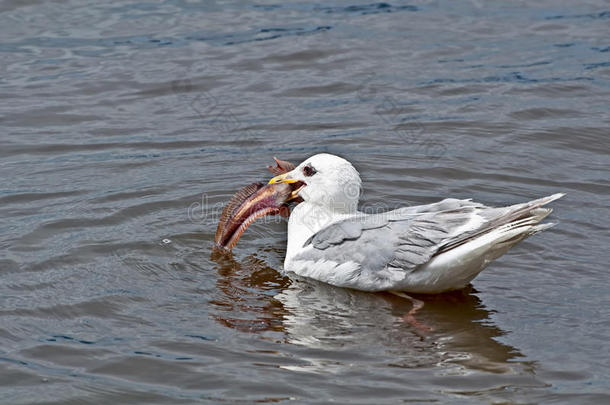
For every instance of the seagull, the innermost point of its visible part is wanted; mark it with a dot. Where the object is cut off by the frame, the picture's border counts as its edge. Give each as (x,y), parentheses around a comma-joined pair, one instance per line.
(429,249)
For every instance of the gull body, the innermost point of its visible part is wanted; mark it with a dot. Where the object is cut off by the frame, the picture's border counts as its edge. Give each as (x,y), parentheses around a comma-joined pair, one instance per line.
(422,249)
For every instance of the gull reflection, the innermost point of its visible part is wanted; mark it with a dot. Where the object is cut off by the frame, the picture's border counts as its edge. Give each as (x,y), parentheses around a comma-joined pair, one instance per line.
(253,297)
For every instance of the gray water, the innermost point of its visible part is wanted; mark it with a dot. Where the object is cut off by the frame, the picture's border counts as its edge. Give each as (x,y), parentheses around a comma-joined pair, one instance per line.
(125,126)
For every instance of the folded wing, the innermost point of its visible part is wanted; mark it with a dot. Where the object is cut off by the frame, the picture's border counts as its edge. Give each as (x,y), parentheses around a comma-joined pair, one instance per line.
(375,251)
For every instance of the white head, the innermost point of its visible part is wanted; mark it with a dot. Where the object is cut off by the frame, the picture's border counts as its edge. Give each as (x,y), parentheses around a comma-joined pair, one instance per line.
(327,180)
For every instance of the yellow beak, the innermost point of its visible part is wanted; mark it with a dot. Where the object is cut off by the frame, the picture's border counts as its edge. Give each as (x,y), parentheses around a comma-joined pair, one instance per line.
(282,179)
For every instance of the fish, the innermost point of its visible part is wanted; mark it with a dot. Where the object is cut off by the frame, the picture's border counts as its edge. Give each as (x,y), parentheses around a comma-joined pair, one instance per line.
(252,202)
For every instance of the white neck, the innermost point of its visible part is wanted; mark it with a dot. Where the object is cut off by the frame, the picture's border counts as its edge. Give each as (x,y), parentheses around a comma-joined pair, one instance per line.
(305,220)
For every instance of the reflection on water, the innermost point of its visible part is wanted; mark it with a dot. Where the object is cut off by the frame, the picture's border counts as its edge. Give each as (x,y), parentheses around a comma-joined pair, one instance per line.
(253,297)
(244,298)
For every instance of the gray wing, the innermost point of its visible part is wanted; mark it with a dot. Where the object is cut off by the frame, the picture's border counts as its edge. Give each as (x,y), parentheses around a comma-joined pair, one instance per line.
(377,252)
(403,238)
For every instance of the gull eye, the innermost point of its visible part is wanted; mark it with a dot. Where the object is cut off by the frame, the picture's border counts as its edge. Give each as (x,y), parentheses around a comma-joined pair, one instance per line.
(309,171)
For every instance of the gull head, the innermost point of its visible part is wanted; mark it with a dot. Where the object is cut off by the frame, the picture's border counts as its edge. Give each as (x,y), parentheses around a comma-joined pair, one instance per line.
(325,180)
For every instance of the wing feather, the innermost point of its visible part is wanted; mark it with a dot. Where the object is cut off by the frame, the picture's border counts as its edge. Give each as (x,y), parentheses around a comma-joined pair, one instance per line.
(375,252)
(402,239)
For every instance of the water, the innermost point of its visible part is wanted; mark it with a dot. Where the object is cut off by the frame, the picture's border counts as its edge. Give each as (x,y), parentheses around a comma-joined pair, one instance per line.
(126,125)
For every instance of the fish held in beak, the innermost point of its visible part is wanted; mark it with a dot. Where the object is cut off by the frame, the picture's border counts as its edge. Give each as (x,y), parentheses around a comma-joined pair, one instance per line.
(246,206)
(281,167)
(254,201)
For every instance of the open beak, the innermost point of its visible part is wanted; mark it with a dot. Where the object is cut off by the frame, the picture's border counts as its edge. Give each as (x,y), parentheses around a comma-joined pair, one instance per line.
(285,178)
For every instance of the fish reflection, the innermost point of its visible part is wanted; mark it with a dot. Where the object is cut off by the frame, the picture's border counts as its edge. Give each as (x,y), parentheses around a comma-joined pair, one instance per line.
(253,297)
(245,294)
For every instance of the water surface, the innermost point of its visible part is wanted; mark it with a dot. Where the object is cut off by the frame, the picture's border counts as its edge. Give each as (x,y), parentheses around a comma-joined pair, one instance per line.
(126,125)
